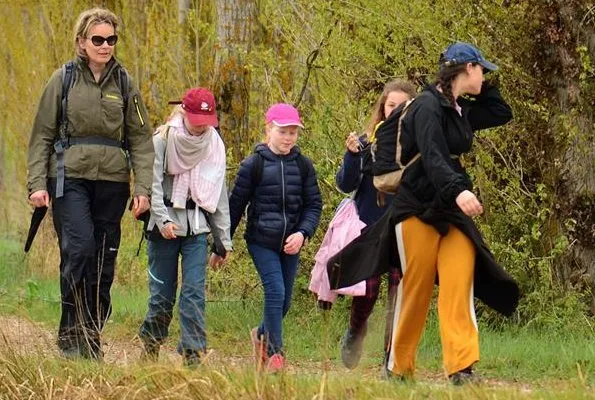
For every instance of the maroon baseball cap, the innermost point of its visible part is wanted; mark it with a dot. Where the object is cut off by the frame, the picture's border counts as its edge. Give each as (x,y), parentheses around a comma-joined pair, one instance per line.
(199,104)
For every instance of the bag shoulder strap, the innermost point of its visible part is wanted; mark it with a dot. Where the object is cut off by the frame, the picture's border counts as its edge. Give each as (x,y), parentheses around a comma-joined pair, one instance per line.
(399,148)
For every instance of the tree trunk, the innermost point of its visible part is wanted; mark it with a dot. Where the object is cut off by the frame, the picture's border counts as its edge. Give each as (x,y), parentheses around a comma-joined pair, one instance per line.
(570,40)
(183,6)
(231,83)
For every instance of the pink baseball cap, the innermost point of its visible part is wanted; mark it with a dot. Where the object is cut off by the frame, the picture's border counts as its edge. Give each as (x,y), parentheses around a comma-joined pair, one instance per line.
(199,104)
(282,114)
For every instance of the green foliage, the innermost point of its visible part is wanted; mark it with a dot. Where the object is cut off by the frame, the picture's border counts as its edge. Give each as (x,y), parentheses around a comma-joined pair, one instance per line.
(333,57)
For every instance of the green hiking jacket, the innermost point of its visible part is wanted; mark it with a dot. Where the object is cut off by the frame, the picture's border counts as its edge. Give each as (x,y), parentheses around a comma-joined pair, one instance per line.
(94,109)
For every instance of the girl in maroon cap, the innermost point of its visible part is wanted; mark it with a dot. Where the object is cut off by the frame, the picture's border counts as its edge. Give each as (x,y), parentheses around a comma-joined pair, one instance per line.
(189,201)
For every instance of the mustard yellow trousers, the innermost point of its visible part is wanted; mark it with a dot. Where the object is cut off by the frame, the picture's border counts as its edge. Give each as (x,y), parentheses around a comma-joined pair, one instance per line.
(423,254)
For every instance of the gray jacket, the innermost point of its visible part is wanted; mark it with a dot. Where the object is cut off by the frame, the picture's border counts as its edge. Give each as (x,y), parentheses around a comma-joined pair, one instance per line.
(218,221)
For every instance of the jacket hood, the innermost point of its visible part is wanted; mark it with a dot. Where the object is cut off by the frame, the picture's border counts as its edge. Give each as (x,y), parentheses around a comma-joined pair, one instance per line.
(264,150)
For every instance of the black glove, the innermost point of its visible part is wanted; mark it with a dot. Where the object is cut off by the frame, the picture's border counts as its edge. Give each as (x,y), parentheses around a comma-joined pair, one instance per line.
(218,248)
(324,305)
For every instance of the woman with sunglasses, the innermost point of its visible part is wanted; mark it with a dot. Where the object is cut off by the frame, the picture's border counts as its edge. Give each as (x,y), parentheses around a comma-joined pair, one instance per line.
(90,129)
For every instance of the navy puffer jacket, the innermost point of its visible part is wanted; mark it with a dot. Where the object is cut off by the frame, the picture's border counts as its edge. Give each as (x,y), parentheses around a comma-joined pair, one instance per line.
(280,204)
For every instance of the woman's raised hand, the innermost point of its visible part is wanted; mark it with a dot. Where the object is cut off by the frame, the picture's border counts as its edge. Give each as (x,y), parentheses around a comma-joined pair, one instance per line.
(469,204)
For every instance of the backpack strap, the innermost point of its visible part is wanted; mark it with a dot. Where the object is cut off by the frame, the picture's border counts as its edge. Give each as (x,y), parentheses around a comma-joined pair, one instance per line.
(68,78)
(123,81)
(304,168)
(61,143)
(163,132)
(257,169)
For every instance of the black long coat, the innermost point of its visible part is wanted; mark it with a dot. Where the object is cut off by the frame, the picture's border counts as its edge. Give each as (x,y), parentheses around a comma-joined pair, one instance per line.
(428,190)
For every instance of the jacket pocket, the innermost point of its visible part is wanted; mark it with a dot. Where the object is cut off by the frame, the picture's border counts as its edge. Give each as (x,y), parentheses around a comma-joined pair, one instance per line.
(112,108)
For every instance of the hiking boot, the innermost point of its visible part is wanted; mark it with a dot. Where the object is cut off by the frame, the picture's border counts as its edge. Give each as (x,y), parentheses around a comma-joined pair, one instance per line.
(464,377)
(71,353)
(259,348)
(150,350)
(351,347)
(191,358)
(94,354)
(276,363)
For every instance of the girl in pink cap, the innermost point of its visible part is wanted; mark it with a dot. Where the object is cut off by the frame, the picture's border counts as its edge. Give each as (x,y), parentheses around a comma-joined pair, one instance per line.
(278,185)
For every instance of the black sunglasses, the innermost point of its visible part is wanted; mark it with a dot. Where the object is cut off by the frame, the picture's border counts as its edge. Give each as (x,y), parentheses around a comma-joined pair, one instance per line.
(98,40)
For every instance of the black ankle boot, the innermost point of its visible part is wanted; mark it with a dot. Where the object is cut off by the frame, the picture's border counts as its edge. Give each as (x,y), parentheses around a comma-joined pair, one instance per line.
(351,347)
(464,377)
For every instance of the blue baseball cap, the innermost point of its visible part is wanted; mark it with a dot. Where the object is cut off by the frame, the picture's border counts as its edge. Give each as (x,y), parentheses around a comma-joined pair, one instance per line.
(461,53)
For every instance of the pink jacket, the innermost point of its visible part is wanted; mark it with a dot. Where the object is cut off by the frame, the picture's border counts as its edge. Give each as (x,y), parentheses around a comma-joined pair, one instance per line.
(343,228)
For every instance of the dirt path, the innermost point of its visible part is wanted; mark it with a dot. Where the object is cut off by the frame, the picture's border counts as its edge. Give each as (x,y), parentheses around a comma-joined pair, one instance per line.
(27,337)
(23,335)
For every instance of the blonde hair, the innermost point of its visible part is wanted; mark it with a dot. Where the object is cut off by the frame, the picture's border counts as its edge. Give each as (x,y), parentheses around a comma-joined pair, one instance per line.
(396,85)
(176,110)
(88,19)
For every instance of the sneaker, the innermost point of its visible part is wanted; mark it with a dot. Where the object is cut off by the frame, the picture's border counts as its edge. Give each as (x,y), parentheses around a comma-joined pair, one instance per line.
(191,358)
(351,347)
(276,363)
(259,348)
(464,377)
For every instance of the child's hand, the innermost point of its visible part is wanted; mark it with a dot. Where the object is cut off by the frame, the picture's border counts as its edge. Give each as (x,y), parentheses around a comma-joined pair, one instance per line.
(352,143)
(168,230)
(216,261)
(294,243)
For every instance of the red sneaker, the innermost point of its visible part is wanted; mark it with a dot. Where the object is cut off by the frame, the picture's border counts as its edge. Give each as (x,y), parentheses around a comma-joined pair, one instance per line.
(276,363)
(259,349)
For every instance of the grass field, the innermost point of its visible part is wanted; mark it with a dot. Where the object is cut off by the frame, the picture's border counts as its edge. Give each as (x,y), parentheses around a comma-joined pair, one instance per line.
(516,362)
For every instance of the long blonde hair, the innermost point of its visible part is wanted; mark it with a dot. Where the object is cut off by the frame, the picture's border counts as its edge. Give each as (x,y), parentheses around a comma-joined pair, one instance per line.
(396,85)
(86,20)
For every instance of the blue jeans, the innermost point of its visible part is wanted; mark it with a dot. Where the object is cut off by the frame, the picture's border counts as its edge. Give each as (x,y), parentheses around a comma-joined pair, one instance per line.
(277,273)
(163,281)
